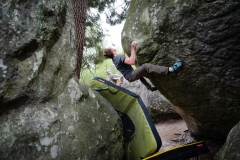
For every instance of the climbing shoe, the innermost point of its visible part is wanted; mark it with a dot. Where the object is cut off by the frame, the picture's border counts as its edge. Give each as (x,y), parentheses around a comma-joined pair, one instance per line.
(152,89)
(177,65)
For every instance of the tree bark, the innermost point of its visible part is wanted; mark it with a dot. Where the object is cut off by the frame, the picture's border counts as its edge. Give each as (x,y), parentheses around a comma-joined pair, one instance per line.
(80,12)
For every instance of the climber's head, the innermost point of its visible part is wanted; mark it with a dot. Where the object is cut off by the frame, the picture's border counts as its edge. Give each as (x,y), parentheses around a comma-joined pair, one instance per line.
(109,52)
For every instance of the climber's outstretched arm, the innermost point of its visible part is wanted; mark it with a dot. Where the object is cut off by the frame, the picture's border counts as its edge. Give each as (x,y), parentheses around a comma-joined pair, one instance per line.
(132,59)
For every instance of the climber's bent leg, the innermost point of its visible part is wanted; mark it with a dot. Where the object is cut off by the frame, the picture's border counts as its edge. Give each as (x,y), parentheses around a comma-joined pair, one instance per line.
(145,69)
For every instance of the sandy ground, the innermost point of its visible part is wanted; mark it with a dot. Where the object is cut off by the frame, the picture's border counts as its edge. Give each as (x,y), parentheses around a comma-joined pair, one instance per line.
(172,133)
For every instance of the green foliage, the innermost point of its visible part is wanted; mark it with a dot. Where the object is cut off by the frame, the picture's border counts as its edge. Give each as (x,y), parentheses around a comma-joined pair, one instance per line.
(93,48)
(100,4)
(93,63)
(94,35)
(115,12)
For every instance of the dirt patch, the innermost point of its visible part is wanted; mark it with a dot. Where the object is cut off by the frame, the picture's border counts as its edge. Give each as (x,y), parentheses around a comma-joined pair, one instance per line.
(172,133)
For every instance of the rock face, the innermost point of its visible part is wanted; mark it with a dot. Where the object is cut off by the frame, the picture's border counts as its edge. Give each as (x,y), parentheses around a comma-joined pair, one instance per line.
(158,106)
(230,149)
(79,124)
(44,112)
(206,36)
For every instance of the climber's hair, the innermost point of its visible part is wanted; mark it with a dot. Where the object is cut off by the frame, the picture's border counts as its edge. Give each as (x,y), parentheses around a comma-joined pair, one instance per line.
(108,53)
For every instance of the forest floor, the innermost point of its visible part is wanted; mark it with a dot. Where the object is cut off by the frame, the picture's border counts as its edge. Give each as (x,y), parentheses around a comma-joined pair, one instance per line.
(172,133)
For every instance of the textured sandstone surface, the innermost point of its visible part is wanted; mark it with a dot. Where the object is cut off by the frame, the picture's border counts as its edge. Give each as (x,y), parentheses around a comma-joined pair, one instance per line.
(206,36)
(44,112)
(230,149)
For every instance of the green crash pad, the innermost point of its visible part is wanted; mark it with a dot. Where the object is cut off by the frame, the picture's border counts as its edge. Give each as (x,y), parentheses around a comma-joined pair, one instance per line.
(141,136)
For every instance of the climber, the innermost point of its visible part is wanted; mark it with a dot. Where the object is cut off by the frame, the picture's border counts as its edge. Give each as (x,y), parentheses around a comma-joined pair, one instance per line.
(123,64)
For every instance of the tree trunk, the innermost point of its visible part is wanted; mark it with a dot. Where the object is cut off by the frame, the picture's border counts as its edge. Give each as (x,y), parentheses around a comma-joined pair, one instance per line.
(80,12)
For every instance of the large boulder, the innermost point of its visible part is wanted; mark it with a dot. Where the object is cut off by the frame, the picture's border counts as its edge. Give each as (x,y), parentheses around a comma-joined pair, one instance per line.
(158,106)
(206,36)
(230,149)
(37,51)
(44,112)
(79,123)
